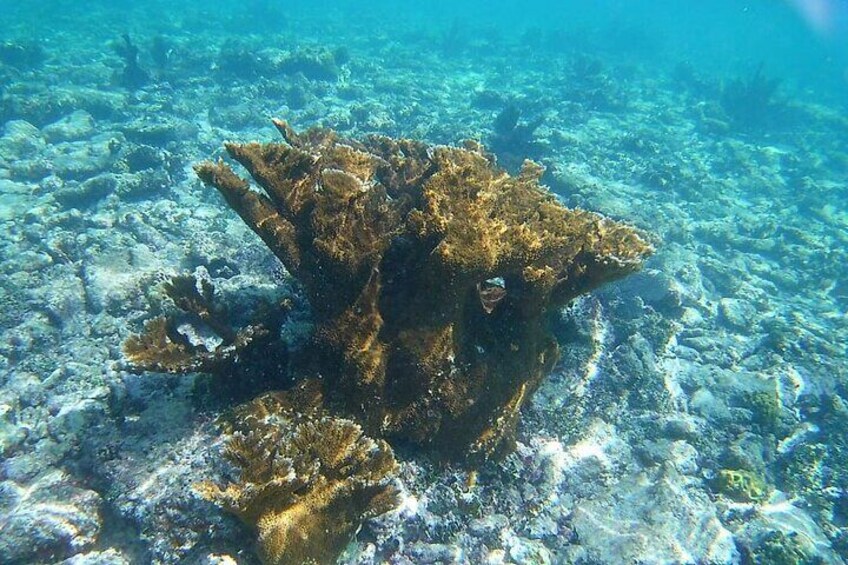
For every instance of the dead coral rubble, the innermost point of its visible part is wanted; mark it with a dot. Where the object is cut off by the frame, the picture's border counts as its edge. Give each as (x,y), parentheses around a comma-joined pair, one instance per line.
(431,273)
(307,480)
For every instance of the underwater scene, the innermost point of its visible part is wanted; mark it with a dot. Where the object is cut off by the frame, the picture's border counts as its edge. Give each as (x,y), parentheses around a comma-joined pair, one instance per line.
(370,282)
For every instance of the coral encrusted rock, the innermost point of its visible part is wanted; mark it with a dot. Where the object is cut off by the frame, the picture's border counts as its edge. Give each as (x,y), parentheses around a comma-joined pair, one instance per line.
(432,274)
(308,479)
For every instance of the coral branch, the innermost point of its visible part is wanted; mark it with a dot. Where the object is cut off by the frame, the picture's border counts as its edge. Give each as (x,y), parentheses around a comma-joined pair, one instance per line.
(168,346)
(307,479)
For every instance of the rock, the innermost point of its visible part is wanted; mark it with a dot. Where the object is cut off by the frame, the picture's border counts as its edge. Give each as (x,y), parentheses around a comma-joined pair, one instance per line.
(11,434)
(489,527)
(74,418)
(79,160)
(109,556)
(217,559)
(683,457)
(704,403)
(653,519)
(111,278)
(495,557)
(542,527)
(738,314)
(21,140)
(87,193)
(589,465)
(149,183)
(144,157)
(784,533)
(14,199)
(50,518)
(63,301)
(523,550)
(73,127)
(654,288)
(9,187)
(158,133)
(434,553)
(44,107)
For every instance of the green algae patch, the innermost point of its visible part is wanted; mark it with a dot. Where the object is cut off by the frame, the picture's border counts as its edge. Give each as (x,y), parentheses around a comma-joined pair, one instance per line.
(741,485)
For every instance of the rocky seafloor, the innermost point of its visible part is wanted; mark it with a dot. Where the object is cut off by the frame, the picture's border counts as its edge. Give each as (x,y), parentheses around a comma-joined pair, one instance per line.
(699,413)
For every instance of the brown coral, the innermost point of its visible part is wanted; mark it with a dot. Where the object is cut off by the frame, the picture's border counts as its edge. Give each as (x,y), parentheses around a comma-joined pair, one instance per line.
(169,344)
(431,273)
(307,479)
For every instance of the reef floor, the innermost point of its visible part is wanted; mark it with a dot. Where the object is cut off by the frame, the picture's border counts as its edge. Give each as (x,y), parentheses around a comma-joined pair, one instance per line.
(699,412)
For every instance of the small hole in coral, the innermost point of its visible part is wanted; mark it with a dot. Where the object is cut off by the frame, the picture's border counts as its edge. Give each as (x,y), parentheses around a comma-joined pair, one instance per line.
(491,292)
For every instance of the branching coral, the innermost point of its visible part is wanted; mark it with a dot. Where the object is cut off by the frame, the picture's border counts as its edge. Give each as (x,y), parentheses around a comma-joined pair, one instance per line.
(431,273)
(751,103)
(307,479)
(169,346)
(513,142)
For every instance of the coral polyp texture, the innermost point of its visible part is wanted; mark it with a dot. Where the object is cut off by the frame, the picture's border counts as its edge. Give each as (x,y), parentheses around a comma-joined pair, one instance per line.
(307,479)
(431,272)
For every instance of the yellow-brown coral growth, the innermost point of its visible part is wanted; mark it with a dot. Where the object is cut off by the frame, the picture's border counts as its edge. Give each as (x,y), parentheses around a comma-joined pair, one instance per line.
(163,347)
(307,479)
(431,272)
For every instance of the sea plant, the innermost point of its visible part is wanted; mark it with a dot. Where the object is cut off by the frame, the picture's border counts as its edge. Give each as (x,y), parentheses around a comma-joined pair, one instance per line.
(133,76)
(514,141)
(751,102)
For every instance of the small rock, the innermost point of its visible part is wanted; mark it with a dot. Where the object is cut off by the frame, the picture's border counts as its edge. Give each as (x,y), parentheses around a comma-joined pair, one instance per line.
(158,133)
(495,557)
(79,160)
(50,517)
(216,559)
(523,550)
(142,185)
(10,187)
(433,552)
(489,527)
(73,127)
(649,519)
(11,434)
(738,314)
(683,457)
(14,199)
(110,556)
(88,193)
(704,403)
(21,140)
(74,418)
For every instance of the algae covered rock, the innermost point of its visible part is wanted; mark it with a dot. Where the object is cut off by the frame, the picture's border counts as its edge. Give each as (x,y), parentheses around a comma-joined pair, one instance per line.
(307,480)
(741,485)
(432,274)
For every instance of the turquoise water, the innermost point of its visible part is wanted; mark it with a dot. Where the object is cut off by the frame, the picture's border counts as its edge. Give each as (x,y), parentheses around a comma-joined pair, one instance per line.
(698,413)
